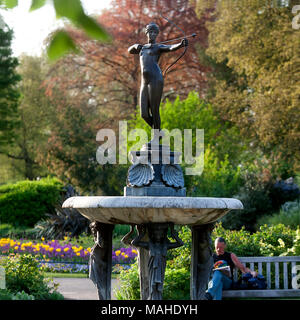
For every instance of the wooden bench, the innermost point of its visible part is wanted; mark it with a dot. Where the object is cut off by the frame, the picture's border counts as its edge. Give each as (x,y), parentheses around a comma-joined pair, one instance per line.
(278,271)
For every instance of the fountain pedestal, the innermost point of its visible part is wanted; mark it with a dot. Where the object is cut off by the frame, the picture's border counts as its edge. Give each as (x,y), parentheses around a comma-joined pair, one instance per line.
(154,200)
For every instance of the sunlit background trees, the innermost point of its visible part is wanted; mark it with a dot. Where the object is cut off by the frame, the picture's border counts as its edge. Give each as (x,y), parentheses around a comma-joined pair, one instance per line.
(239,81)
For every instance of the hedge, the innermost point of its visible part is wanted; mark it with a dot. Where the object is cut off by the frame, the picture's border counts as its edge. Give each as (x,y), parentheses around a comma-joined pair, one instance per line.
(24,203)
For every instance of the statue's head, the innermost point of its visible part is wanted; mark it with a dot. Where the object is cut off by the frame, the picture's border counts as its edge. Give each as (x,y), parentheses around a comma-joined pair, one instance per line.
(158,232)
(152,31)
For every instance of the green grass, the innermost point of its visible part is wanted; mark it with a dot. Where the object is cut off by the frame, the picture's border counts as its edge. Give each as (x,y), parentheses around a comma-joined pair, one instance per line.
(71,275)
(65,275)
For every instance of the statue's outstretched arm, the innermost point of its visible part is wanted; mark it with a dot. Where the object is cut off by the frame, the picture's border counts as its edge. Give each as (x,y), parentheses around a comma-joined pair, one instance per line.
(173,47)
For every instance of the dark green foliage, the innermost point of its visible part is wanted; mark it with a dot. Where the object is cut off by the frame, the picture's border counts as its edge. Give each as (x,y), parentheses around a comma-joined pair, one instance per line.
(289,215)
(8,295)
(5,294)
(218,179)
(255,196)
(62,223)
(130,290)
(26,202)
(177,284)
(9,94)
(284,191)
(10,231)
(23,274)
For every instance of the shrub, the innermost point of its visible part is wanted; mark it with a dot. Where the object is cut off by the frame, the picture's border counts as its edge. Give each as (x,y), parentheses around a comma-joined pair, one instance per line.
(295,250)
(289,215)
(5,294)
(219,178)
(130,285)
(238,241)
(255,196)
(26,202)
(23,275)
(283,191)
(274,240)
(9,231)
(177,284)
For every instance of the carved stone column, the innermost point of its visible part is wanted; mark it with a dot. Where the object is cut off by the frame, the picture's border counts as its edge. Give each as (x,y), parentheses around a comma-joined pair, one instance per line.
(202,261)
(157,246)
(100,263)
(143,260)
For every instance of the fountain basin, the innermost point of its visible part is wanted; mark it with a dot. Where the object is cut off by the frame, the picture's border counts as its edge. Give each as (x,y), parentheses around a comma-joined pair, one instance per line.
(141,210)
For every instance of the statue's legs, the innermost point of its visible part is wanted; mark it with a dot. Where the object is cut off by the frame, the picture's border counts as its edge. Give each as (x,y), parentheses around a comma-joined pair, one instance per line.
(144,104)
(155,90)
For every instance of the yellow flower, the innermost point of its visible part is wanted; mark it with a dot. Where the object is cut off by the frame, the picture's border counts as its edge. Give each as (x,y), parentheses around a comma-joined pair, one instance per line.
(58,250)
(281,243)
(134,251)
(123,254)
(77,254)
(43,239)
(126,256)
(51,249)
(66,238)
(66,249)
(118,252)
(16,247)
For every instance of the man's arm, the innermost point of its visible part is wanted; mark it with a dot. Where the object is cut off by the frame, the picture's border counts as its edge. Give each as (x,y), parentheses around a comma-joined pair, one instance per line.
(135,49)
(240,266)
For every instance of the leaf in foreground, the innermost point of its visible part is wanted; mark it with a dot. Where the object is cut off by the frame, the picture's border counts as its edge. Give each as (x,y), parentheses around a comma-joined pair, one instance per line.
(61,43)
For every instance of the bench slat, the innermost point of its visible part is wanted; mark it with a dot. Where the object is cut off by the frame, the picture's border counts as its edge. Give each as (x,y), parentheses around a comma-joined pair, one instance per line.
(235,274)
(252,265)
(268,275)
(260,268)
(285,275)
(276,275)
(261,293)
(270,259)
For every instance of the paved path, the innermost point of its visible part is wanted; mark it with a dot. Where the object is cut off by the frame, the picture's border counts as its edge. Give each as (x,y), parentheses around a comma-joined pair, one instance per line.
(81,288)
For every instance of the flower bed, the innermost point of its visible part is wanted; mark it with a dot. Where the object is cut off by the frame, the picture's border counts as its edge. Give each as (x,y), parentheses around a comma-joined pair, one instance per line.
(62,256)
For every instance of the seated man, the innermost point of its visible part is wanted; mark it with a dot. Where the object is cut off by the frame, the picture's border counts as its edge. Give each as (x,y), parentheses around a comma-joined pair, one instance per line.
(223,279)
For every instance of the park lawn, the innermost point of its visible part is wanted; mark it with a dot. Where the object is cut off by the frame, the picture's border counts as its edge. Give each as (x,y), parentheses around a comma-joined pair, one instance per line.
(71,275)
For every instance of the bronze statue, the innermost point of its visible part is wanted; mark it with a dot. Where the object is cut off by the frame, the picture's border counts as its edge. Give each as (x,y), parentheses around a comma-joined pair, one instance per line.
(158,245)
(152,81)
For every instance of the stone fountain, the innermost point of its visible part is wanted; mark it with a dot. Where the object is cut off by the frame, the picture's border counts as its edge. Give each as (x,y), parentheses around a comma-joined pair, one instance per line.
(154,201)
